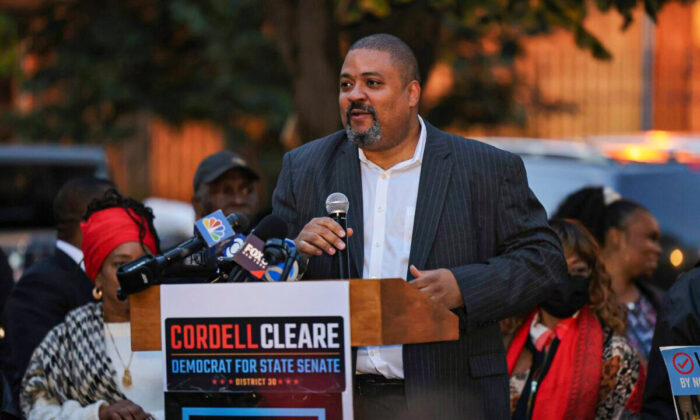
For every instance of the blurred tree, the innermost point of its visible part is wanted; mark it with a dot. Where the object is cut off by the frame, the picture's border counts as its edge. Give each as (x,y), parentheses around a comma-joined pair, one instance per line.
(92,65)
(100,63)
(479,39)
(9,66)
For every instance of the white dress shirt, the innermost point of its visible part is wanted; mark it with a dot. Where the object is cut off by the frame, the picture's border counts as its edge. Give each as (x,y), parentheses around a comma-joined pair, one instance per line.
(76,254)
(389,206)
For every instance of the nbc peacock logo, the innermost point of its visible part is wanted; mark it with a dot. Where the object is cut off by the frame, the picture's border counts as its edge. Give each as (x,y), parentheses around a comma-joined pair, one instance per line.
(214,227)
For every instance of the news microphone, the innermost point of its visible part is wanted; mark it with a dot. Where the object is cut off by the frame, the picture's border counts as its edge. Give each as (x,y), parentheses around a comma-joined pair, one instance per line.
(337,206)
(250,260)
(145,271)
(285,263)
(235,245)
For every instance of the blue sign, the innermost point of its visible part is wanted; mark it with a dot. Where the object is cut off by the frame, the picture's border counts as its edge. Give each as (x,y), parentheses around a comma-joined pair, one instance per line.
(214,228)
(195,413)
(683,366)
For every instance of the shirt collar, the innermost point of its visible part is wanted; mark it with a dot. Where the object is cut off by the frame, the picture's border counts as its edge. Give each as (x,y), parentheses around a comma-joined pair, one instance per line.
(73,252)
(417,158)
(542,336)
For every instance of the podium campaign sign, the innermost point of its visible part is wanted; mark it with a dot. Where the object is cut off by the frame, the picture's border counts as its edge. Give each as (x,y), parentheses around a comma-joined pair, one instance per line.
(683,366)
(270,340)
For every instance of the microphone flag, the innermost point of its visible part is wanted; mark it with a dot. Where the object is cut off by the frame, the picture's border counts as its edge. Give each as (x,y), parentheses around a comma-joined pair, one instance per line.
(214,228)
(250,257)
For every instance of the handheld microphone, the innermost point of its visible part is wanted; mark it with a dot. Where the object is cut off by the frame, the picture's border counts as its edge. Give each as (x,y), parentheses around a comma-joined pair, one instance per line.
(284,262)
(143,272)
(337,206)
(250,260)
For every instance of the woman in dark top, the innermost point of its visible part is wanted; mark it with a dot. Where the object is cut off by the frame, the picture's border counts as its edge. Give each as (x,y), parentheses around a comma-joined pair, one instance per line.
(629,237)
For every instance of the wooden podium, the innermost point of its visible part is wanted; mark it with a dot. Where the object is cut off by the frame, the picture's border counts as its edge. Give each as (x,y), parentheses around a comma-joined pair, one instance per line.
(382,312)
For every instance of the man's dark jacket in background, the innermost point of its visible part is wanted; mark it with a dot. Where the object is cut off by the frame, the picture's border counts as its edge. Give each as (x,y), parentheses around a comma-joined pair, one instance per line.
(47,291)
(6,280)
(678,324)
(474,215)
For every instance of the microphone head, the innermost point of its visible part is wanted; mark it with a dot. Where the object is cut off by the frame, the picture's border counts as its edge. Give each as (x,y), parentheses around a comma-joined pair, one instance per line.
(238,221)
(337,203)
(271,226)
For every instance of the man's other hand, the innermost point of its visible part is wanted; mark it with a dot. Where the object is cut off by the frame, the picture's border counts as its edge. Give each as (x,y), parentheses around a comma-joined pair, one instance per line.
(440,285)
(321,234)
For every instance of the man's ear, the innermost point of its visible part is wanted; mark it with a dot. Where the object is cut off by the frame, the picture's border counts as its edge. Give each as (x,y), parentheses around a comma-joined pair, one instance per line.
(414,93)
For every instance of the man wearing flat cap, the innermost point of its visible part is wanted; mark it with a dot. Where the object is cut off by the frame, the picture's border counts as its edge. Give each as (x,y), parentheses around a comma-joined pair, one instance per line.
(225,181)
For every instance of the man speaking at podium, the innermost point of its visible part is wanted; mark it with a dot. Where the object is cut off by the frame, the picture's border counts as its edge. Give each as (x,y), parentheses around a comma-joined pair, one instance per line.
(453,216)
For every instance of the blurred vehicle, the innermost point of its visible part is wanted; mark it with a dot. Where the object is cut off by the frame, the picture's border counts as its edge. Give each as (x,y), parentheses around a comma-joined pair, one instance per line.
(650,147)
(31,177)
(670,189)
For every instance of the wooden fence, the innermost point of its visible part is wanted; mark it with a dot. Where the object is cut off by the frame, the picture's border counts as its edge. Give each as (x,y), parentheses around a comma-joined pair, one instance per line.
(652,81)
(163,160)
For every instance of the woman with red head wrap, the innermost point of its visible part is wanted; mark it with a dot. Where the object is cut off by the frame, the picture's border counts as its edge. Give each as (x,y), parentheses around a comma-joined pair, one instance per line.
(83,367)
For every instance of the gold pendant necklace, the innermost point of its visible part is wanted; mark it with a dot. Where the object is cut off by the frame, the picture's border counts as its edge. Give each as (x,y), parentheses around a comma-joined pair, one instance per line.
(126,379)
(126,376)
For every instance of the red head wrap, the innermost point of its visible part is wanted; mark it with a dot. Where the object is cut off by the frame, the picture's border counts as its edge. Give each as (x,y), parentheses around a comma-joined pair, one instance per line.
(107,229)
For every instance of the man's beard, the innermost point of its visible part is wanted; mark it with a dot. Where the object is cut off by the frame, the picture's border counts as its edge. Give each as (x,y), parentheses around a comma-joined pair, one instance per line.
(369,137)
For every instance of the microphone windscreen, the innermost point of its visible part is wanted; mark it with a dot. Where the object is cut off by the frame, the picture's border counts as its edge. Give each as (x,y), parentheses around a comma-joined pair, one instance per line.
(271,226)
(238,221)
(337,203)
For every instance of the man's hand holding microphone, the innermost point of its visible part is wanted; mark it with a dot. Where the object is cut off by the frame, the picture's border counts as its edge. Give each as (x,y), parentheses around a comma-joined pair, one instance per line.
(327,234)
(321,234)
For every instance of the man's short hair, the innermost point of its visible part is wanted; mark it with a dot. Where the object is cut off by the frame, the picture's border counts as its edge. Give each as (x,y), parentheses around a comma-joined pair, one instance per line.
(401,54)
(72,200)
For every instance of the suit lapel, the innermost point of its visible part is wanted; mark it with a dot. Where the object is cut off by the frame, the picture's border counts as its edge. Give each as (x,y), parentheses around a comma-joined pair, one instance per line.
(347,179)
(432,189)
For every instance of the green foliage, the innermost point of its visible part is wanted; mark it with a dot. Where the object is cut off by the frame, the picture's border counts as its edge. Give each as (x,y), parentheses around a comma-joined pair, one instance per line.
(481,39)
(9,42)
(102,62)
(105,61)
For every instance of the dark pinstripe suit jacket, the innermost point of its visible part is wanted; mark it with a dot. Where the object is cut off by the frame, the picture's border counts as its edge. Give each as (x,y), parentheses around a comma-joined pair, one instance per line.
(476,216)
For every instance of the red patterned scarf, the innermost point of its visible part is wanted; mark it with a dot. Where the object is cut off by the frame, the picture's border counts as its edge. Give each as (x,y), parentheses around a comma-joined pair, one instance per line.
(570,388)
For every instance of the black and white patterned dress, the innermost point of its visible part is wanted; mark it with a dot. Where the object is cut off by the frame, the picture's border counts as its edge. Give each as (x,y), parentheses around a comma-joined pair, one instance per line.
(71,365)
